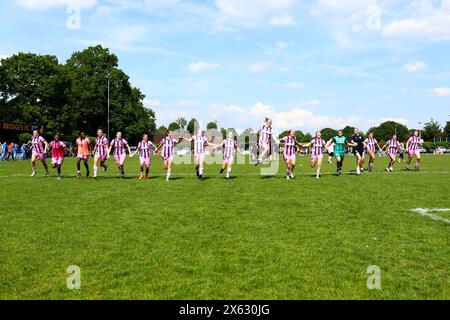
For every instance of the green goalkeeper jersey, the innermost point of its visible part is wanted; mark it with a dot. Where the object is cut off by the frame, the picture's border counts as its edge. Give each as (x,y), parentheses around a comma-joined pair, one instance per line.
(340,143)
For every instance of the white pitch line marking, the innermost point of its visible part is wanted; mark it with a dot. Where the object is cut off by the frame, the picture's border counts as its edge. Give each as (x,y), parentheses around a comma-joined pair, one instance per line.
(427,213)
(256,174)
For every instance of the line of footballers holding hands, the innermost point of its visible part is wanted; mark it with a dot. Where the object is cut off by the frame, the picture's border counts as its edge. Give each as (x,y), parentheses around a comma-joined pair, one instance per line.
(336,147)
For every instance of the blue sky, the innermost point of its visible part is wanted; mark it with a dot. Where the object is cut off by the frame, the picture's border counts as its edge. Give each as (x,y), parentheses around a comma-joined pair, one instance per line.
(307,64)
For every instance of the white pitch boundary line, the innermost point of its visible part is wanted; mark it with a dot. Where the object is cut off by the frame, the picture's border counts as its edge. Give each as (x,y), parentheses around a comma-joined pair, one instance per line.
(426,213)
(251,174)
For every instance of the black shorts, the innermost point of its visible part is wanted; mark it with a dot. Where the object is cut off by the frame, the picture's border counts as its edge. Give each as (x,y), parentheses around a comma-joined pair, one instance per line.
(331,154)
(361,153)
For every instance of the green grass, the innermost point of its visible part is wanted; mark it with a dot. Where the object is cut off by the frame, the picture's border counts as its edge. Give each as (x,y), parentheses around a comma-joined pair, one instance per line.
(251,237)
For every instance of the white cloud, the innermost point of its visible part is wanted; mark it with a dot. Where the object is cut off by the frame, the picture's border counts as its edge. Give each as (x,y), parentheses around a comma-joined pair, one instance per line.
(153,5)
(278,47)
(253,12)
(128,34)
(298,118)
(301,118)
(201,66)
(353,13)
(282,21)
(442,92)
(415,66)
(149,104)
(284,69)
(235,109)
(48,4)
(313,103)
(186,104)
(423,20)
(375,122)
(258,66)
(263,110)
(289,85)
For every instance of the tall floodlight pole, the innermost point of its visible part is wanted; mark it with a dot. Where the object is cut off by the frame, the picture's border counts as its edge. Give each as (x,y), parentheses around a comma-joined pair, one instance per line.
(108,77)
(420,130)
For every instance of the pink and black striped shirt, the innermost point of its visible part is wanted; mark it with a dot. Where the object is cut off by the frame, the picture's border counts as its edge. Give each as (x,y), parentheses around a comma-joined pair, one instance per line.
(144,148)
(168,144)
(317,146)
(119,146)
(289,146)
(265,134)
(199,144)
(371,144)
(229,148)
(393,146)
(37,144)
(414,143)
(102,145)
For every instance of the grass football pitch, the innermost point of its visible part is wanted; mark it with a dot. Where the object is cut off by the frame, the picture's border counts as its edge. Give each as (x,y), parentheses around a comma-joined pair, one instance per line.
(251,237)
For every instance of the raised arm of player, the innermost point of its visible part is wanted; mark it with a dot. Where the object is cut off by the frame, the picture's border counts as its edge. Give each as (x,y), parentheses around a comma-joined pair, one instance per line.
(46,146)
(94,150)
(329,143)
(135,152)
(129,150)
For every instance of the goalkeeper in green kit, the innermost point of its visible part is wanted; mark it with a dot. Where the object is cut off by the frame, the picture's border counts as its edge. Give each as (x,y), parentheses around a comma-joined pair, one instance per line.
(341,143)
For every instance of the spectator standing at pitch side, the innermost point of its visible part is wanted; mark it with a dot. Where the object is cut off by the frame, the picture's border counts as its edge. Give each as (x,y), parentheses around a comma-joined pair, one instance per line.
(15,151)
(3,151)
(23,152)
(10,151)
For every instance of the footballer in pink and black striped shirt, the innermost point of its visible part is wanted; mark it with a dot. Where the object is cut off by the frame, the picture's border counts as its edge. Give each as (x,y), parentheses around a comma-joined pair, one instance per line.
(229,150)
(167,144)
(100,151)
(144,148)
(289,154)
(371,145)
(39,148)
(265,138)
(392,147)
(120,146)
(413,145)
(200,141)
(317,149)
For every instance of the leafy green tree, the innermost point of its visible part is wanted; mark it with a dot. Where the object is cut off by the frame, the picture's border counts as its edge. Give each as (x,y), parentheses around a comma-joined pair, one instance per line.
(25,137)
(182,122)
(306,138)
(328,133)
(349,131)
(447,130)
(32,90)
(87,72)
(387,129)
(223,131)
(431,130)
(174,126)
(211,125)
(161,130)
(192,126)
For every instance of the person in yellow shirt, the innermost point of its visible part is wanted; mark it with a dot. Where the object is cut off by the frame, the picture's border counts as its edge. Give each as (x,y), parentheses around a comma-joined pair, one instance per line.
(83,152)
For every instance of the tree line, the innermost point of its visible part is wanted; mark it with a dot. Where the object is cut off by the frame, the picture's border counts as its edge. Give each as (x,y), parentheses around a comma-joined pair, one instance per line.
(66,98)
(431,132)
